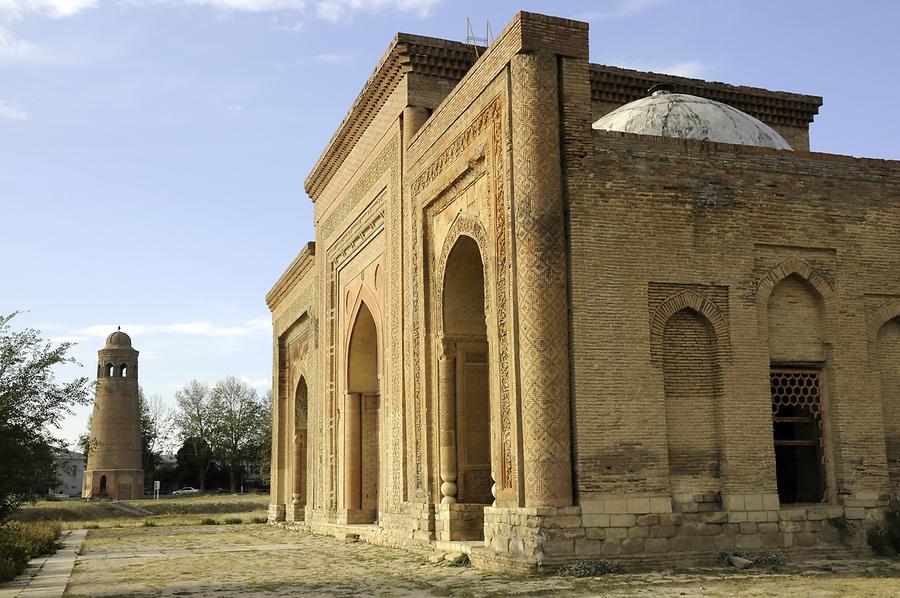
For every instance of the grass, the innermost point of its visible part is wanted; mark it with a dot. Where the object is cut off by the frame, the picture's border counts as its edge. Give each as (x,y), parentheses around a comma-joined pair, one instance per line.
(75,514)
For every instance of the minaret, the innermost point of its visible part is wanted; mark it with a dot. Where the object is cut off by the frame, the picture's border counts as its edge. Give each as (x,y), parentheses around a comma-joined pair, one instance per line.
(114,467)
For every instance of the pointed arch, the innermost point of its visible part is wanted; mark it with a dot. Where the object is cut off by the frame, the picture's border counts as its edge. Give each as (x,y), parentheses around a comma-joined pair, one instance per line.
(299,457)
(883,314)
(698,304)
(464,225)
(364,300)
(793,266)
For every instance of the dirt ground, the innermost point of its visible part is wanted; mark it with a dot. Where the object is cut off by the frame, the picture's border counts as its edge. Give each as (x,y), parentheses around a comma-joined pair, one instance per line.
(259,560)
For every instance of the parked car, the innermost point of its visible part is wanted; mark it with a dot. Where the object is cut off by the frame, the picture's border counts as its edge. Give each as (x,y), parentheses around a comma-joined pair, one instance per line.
(185,490)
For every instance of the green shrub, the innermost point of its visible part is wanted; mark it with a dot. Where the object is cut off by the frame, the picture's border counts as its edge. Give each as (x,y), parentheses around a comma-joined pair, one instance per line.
(259,520)
(844,526)
(884,539)
(93,525)
(589,569)
(232,520)
(208,521)
(461,561)
(19,542)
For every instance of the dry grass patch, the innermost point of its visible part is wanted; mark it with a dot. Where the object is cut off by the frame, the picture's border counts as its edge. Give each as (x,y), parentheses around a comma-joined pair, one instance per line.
(74,514)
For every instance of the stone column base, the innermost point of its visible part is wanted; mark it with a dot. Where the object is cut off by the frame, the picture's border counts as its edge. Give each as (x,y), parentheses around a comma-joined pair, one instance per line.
(295,512)
(276,513)
(459,521)
(357,516)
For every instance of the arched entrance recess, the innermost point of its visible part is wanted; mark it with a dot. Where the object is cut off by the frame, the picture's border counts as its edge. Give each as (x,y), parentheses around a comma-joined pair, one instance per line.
(362,408)
(465,405)
(298,491)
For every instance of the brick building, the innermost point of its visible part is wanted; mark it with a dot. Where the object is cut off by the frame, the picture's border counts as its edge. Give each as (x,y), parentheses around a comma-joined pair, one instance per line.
(527,334)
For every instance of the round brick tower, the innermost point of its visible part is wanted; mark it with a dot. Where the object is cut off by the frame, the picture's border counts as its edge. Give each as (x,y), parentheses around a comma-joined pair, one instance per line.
(114,467)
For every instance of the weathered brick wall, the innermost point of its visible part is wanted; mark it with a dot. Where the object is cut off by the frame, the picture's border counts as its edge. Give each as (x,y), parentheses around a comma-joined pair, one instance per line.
(796,323)
(690,380)
(708,215)
(888,348)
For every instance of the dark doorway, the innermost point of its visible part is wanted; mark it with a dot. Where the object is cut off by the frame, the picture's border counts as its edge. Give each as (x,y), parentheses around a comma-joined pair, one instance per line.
(797,429)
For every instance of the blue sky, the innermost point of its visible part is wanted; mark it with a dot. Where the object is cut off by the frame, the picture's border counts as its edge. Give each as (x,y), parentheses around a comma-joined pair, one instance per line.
(153,152)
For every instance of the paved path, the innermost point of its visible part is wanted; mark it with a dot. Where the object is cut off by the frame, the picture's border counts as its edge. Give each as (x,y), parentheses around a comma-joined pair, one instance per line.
(129,508)
(47,576)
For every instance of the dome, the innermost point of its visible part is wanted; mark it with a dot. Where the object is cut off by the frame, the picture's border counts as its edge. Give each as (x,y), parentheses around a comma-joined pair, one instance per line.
(118,339)
(684,116)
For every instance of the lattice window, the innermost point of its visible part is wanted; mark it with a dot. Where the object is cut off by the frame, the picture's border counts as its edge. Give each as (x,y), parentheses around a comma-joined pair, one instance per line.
(797,420)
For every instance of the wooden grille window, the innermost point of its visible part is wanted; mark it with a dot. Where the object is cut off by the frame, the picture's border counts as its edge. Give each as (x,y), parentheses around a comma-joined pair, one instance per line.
(797,422)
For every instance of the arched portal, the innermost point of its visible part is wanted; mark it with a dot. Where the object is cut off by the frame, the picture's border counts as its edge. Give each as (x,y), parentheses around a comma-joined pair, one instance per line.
(103,485)
(298,494)
(361,420)
(796,322)
(465,382)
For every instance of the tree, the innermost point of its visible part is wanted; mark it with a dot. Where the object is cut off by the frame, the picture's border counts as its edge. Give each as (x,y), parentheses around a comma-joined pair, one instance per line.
(156,430)
(264,453)
(238,420)
(32,404)
(194,421)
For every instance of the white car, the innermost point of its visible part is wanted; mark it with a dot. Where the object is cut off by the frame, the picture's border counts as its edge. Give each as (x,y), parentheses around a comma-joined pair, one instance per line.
(185,490)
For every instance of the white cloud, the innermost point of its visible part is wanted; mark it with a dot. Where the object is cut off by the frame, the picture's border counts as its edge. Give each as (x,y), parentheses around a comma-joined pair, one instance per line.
(12,49)
(9,111)
(260,384)
(55,9)
(73,338)
(622,8)
(328,58)
(329,10)
(195,328)
(691,68)
(335,10)
(685,68)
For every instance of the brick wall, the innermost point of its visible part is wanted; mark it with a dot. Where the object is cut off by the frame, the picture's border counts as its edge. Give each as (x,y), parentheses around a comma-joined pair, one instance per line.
(888,348)
(690,380)
(666,211)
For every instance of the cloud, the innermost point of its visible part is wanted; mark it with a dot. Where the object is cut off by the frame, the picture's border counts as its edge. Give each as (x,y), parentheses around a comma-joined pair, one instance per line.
(328,10)
(685,68)
(9,111)
(328,58)
(691,68)
(335,10)
(195,328)
(12,49)
(55,9)
(260,384)
(622,8)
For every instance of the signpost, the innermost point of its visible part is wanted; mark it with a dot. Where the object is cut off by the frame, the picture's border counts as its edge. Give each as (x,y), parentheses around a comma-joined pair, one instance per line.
(156,489)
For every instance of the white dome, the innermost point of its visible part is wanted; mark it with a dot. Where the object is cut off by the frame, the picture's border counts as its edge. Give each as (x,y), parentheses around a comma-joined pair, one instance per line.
(684,116)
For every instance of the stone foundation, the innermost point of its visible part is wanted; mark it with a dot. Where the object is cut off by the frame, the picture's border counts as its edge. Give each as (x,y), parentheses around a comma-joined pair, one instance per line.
(459,522)
(638,531)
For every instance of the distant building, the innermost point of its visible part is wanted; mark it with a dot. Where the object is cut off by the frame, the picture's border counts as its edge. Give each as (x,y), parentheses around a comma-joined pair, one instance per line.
(114,468)
(70,472)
